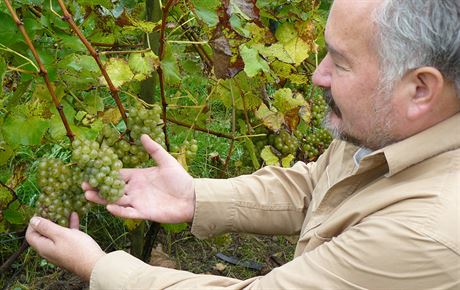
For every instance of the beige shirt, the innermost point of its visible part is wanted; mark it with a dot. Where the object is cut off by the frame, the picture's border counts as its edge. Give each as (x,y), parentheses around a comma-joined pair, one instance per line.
(389,221)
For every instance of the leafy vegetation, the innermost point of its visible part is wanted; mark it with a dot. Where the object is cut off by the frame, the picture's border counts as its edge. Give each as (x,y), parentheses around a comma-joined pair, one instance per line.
(231,80)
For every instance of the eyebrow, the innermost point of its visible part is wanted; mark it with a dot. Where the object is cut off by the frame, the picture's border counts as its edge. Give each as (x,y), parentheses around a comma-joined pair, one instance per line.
(336,52)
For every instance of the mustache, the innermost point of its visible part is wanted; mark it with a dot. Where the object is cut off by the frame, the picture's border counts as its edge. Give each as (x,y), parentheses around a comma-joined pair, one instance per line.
(329,99)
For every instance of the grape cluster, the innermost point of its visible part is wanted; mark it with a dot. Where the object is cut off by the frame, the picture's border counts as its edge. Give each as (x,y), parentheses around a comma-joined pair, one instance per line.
(284,142)
(315,142)
(61,193)
(100,166)
(188,148)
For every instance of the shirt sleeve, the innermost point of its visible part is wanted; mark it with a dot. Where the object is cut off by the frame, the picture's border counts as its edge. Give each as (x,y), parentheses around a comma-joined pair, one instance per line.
(272,200)
(376,254)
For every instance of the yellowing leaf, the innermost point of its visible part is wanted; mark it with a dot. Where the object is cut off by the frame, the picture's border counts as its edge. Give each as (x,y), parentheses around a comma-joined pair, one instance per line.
(269,157)
(285,100)
(143,64)
(287,161)
(271,119)
(131,224)
(298,50)
(118,71)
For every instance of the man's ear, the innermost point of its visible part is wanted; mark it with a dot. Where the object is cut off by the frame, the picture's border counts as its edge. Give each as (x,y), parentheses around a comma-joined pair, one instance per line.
(425,90)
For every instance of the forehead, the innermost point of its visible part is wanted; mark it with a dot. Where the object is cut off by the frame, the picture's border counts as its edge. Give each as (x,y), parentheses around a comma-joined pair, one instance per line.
(349,26)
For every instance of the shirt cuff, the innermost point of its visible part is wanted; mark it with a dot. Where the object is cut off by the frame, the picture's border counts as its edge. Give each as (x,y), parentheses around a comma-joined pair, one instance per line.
(214,207)
(119,266)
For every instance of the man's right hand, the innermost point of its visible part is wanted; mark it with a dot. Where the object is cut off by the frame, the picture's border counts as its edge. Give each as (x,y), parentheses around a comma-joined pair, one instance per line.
(164,193)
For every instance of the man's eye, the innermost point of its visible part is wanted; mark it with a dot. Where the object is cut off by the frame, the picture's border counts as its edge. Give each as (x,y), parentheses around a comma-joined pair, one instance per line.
(340,67)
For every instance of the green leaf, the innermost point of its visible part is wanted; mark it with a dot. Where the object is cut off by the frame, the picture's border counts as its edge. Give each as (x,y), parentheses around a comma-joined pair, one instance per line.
(6,152)
(3,68)
(20,130)
(170,67)
(118,71)
(5,197)
(9,34)
(143,64)
(13,214)
(253,63)
(93,102)
(175,228)
(15,99)
(206,10)
(269,157)
(287,161)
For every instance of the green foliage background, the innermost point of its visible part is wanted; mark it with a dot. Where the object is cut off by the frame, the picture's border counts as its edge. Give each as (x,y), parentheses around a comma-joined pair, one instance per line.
(235,73)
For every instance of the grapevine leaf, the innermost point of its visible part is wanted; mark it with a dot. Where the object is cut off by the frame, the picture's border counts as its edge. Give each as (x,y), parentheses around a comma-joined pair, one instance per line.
(105,3)
(296,48)
(14,100)
(271,119)
(174,228)
(253,63)
(5,197)
(245,8)
(131,224)
(170,67)
(252,152)
(292,118)
(143,64)
(244,93)
(287,161)
(269,157)
(305,113)
(20,130)
(3,68)
(285,100)
(13,214)
(6,152)
(72,42)
(93,102)
(119,72)
(206,10)
(140,25)
(9,34)
(111,115)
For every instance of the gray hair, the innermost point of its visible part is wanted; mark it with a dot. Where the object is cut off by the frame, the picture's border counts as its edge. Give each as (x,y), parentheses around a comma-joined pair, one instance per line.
(416,33)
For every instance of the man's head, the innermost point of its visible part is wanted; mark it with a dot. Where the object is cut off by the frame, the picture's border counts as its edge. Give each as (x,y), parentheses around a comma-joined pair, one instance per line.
(392,70)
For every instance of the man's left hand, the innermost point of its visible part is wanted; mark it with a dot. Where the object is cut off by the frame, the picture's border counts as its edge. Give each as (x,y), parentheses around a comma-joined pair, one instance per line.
(68,248)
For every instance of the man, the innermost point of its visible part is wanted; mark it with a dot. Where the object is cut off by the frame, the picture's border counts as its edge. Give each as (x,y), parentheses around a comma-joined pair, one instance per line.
(379,209)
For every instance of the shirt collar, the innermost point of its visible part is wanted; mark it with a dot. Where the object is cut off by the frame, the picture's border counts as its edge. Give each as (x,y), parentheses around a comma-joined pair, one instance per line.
(442,137)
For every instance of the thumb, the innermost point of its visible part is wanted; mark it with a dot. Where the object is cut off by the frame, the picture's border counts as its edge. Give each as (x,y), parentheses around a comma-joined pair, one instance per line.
(158,153)
(45,227)
(74,221)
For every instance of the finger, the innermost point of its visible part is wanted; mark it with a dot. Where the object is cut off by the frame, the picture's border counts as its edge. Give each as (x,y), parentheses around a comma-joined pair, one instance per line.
(158,153)
(38,241)
(93,196)
(124,212)
(85,186)
(74,221)
(45,227)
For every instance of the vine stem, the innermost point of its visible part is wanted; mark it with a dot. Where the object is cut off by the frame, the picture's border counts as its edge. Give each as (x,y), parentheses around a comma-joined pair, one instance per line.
(113,90)
(14,256)
(195,127)
(43,72)
(161,76)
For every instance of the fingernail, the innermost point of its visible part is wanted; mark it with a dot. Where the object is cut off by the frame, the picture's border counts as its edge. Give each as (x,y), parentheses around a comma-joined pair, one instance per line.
(34,221)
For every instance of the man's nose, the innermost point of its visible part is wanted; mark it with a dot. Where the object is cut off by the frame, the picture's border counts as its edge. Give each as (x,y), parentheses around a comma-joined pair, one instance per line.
(322,75)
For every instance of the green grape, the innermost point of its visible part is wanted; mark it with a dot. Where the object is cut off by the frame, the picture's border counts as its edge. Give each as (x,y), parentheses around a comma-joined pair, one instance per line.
(61,193)
(100,166)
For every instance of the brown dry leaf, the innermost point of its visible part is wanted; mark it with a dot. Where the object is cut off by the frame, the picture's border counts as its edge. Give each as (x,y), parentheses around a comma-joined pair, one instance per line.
(111,115)
(219,267)
(18,176)
(161,259)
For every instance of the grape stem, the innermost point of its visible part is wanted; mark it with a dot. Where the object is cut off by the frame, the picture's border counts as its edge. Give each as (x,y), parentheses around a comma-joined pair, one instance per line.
(43,72)
(113,90)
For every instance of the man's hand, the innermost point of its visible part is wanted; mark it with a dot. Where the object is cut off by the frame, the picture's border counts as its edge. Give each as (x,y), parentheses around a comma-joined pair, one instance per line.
(164,193)
(68,248)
